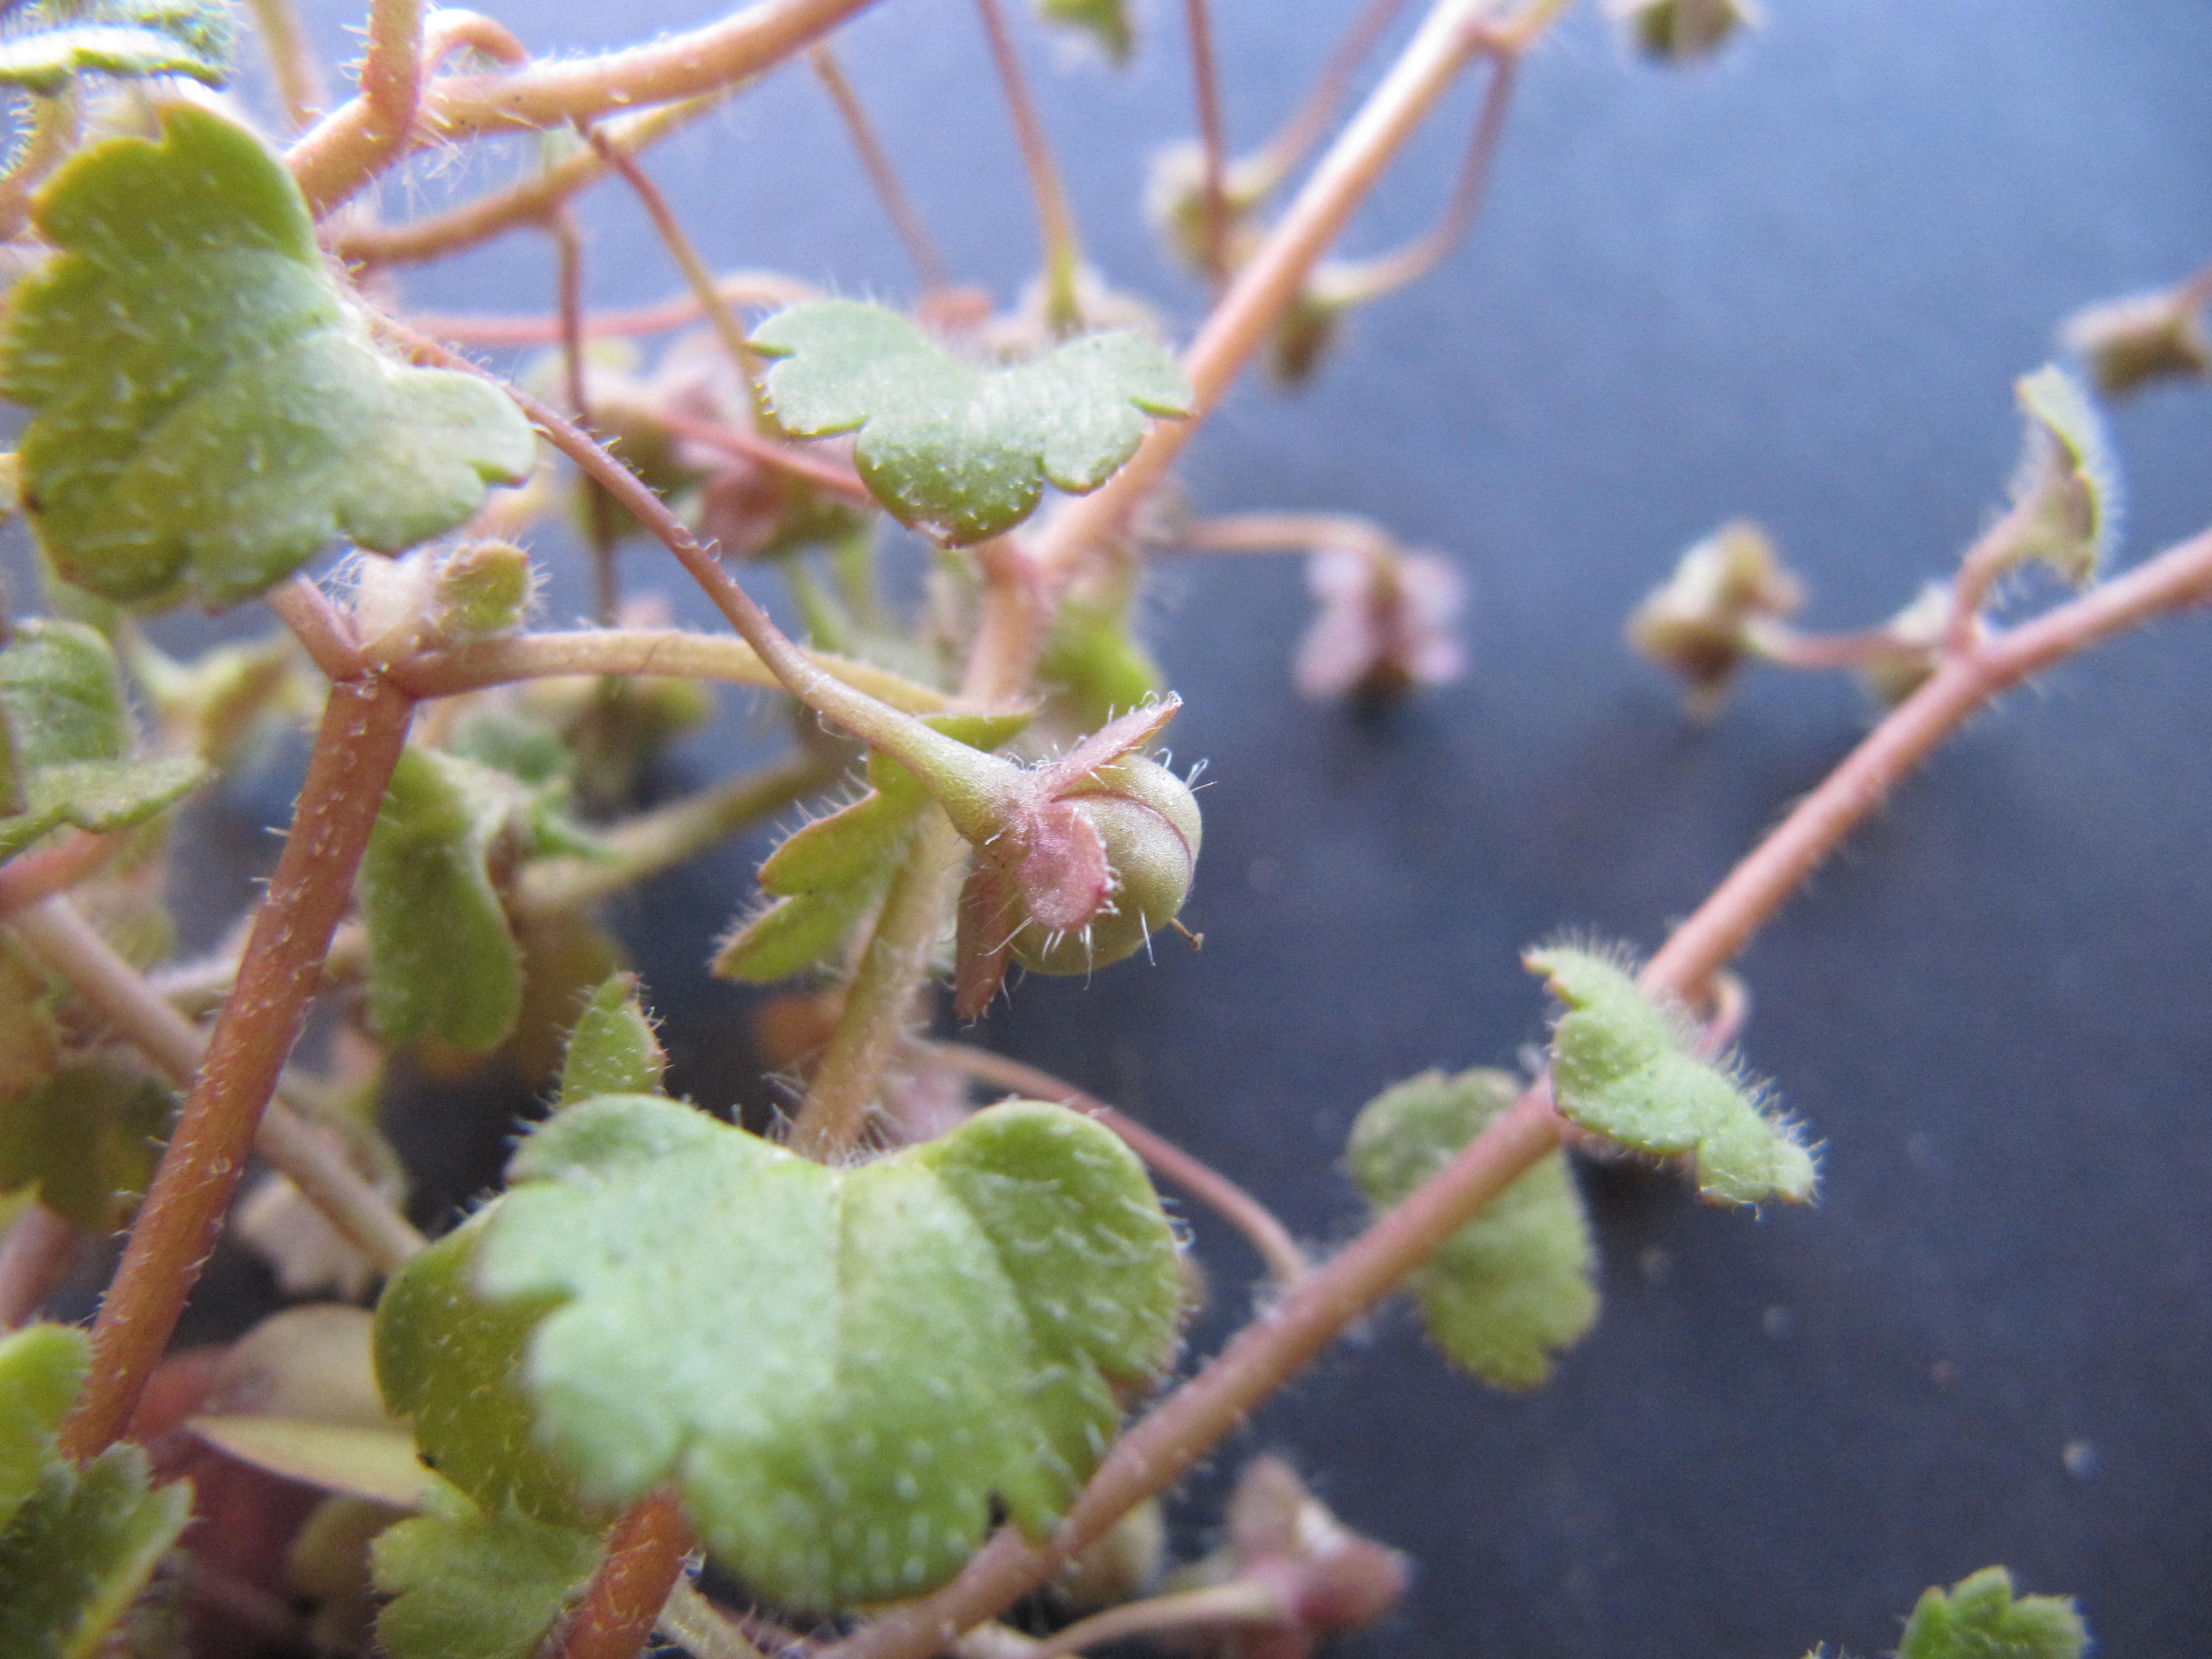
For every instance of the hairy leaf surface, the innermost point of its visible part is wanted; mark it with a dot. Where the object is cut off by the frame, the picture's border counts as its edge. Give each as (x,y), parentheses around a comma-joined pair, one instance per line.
(65,740)
(125,38)
(840,1370)
(1514,1285)
(612,1050)
(1980,1619)
(1621,1065)
(827,875)
(451,1360)
(959,452)
(209,409)
(469,1584)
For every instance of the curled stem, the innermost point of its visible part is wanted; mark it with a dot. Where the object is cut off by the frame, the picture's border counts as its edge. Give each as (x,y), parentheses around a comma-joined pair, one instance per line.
(1254,1219)
(1063,251)
(364,727)
(339,156)
(906,220)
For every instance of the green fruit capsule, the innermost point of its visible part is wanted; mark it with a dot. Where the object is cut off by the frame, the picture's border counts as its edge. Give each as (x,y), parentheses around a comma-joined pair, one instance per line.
(1148,820)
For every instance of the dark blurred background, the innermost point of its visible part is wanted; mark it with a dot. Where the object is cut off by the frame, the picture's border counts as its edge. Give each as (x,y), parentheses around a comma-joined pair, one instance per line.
(1795,284)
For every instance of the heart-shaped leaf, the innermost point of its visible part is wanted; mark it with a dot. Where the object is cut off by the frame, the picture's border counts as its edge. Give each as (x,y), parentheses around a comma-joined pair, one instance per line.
(1513,1286)
(958,451)
(1621,1065)
(65,740)
(469,1584)
(840,1371)
(208,410)
(127,38)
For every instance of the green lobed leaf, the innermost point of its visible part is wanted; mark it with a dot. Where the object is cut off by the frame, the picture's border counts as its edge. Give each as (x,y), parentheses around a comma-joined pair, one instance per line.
(208,410)
(68,740)
(87,1139)
(469,1584)
(1981,1619)
(827,875)
(1513,1286)
(1621,1065)
(441,957)
(126,37)
(451,1360)
(1106,22)
(840,1371)
(41,1368)
(612,1050)
(960,452)
(76,1544)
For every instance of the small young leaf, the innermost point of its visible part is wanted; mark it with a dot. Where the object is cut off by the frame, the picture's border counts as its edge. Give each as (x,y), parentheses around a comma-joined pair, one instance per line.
(1980,1620)
(469,1584)
(958,452)
(441,958)
(1678,31)
(1106,22)
(76,1544)
(1621,1065)
(2068,477)
(68,740)
(88,1139)
(451,1360)
(612,1051)
(208,410)
(840,1370)
(41,1368)
(828,874)
(127,38)
(1513,1286)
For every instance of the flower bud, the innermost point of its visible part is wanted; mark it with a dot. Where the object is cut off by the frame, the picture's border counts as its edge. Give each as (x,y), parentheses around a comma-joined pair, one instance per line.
(1695,625)
(1146,822)
(2126,343)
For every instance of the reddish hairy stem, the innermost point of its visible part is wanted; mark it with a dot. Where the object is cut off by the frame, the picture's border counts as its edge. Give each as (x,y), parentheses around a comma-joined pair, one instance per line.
(1156,1453)
(364,727)
(645,1558)
(785,458)
(1194,1176)
(390,82)
(340,154)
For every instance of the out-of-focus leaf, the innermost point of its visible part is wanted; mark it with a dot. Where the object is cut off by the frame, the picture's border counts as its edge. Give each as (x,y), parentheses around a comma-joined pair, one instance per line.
(68,740)
(1106,22)
(842,1372)
(1980,1619)
(959,452)
(76,1544)
(88,1139)
(2068,479)
(1680,31)
(441,957)
(1513,1286)
(469,1584)
(208,410)
(126,37)
(1621,1065)
(1093,665)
